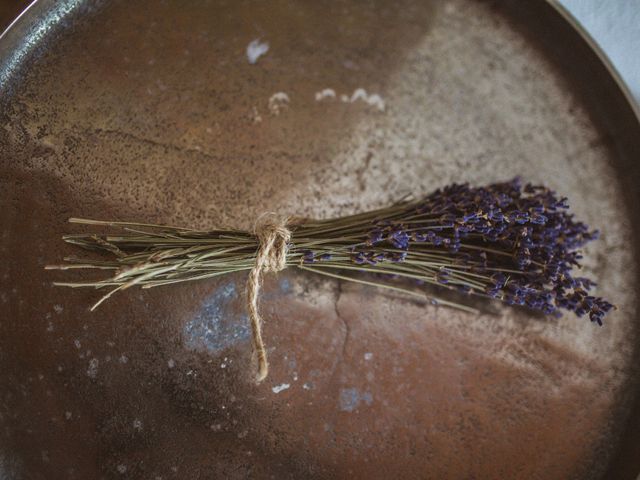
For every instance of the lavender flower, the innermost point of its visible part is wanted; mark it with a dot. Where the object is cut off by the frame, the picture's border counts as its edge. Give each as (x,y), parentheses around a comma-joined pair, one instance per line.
(514,243)
(524,235)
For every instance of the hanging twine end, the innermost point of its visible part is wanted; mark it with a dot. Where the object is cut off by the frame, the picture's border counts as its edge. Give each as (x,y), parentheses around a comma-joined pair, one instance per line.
(273,241)
(263,369)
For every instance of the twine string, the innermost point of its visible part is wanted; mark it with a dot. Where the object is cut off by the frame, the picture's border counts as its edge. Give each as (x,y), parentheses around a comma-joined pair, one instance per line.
(273,237)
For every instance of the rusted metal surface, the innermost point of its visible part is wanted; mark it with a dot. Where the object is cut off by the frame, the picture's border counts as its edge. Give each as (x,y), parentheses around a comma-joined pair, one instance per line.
(153,112)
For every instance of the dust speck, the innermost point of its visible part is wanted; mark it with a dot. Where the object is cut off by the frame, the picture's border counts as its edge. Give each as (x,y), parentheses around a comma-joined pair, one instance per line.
(325,94)
(373,99)
(92,371)
(255,116)
(277,102)
(280,388)
(256,49)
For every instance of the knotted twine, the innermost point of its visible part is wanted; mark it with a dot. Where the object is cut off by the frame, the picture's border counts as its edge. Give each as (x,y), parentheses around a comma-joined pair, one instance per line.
(273,237)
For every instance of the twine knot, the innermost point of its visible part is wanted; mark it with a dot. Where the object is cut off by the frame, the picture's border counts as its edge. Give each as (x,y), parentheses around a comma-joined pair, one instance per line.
(273,237)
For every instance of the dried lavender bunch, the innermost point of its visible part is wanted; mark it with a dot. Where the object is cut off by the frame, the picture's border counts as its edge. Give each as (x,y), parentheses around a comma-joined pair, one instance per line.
(504,241)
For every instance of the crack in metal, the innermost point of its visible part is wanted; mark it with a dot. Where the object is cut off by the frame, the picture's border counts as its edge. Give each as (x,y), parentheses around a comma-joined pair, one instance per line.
(347,330)
(148,141)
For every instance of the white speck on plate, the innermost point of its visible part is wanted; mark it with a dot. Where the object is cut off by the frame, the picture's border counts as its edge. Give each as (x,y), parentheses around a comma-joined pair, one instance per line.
(137,424)
(359,94)
(373,100)
(280,388)
(67,415)
(277,102)
(57,308)
(368,356)
(326,93)
(255,115)
(123,359)
(256,49)
(122,469)
(171,363)
(307,386)
(77,343)
(92,371)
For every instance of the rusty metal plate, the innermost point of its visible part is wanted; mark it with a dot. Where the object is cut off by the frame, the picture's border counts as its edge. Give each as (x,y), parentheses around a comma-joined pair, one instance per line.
(152,111)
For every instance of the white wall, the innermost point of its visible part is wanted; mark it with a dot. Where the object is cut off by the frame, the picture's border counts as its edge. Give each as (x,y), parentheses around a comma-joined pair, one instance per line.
(615,25)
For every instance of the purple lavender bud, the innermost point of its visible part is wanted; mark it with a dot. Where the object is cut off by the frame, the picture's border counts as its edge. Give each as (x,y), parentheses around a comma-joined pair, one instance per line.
(397,257)
(442,276)
(538,219)
(492,291)
(498,280)
(468,217)
(379,257)
(495,216)
(447,220)
(400,239)
(358,258)
(375,236)
(419,237)
(518,217)
(308,256)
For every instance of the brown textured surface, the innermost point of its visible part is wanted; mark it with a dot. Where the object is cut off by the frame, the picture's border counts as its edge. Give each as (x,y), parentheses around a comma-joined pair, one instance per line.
(150,116)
